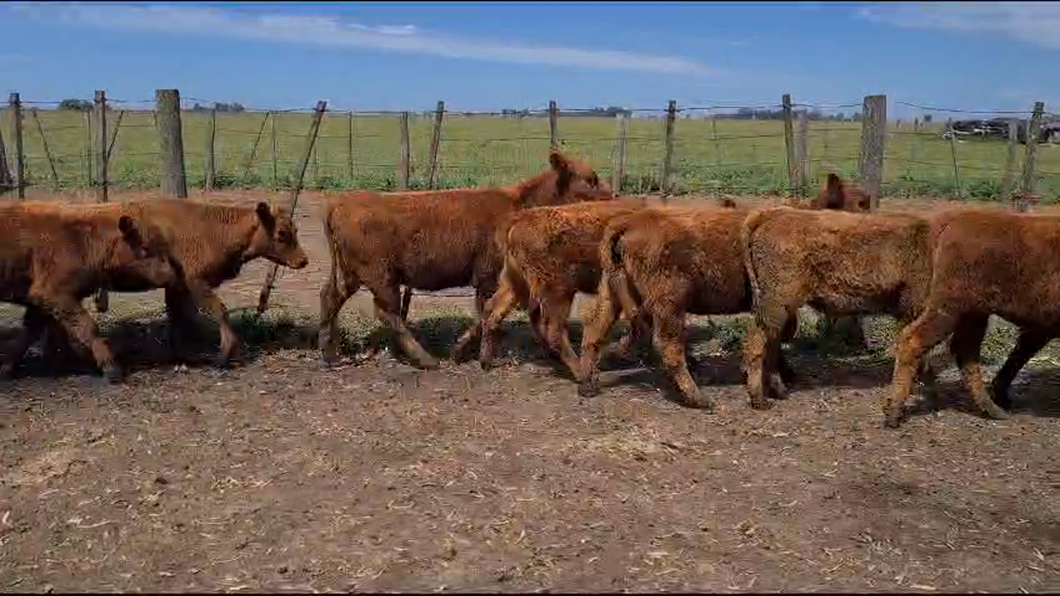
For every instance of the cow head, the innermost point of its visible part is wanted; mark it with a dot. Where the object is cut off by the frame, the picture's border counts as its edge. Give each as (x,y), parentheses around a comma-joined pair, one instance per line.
(567,181)
(837,194)
(276,238)
(142,248)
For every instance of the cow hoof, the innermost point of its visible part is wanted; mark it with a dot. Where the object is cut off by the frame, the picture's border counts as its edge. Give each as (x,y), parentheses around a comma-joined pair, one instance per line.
(588,389)
(486,365)
(432,364)
(700,403)
(113,374)
(761,404)
(1002,398)
(997,413)
(892,420)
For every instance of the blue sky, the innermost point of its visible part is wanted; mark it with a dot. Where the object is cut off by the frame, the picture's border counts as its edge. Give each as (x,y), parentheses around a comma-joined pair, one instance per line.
(488,56)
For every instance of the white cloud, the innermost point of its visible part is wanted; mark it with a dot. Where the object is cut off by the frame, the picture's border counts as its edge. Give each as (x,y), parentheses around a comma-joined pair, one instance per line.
(1036,23)
(334,32)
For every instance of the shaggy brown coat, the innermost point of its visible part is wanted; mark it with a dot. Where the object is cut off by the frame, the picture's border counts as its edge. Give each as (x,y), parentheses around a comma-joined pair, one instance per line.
(662,264)
(838,263)
(984,263)
(54,256)
(211,243)
(551,253)
(431,240)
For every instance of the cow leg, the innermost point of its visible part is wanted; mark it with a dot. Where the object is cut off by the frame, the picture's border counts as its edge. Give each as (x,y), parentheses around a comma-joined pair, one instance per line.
(80,327)
(557,316)
(755,351)
(965,345)
(332,299)
(668,336)
(504,298)
(914,341)
(179,309)
(388,308)
(406,300)
(639,327)
(497,308)
(34,323)
(213,306)
(1028,344)
(597,324)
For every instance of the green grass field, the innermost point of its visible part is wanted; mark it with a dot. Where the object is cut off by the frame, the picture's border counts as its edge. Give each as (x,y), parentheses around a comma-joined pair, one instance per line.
(736,157)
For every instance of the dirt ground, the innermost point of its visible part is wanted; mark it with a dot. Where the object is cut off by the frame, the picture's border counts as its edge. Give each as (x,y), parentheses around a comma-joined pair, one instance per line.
(376,476)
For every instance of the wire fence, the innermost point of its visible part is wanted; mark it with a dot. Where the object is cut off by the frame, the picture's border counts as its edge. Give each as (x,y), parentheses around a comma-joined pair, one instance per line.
(712,149)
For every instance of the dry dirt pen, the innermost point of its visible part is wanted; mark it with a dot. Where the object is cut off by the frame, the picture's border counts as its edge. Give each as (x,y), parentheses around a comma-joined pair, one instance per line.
(377,476)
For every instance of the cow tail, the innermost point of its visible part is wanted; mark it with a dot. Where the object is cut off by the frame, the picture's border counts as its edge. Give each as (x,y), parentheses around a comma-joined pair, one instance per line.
(613,269)
(338,263)
(747,229)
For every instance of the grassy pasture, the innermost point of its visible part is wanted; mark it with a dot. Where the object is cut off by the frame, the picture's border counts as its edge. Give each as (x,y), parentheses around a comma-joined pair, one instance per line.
(736,157)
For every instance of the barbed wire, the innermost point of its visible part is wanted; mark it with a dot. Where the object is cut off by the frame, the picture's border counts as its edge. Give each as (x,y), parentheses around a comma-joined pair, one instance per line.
(703,161)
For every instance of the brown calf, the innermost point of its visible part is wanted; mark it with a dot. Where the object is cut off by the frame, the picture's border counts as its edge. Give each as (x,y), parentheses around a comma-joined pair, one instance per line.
(552,253)
(211,243)
(54,256)
(984,263)
(839,264)
(665,263)
(430,241)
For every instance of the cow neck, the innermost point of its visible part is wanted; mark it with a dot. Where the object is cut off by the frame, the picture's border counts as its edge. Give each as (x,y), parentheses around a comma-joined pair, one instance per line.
(526,191)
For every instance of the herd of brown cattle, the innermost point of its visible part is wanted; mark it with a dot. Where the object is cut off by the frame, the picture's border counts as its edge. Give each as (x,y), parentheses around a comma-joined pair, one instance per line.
(534,245)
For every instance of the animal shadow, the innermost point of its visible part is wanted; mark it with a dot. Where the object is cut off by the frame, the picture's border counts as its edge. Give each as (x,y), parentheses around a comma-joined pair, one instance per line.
(144,345)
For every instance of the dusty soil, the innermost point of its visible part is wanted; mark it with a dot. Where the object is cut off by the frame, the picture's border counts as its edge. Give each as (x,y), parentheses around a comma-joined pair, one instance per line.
(377,476)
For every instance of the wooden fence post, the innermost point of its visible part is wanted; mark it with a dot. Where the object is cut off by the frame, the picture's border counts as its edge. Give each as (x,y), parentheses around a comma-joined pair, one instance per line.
(802,152)
(1008,183)
(436,139)
(953,156)
(47,150)
(553,124)
(275,155)
(404,165)
(1034,127)
(103,185)
(15,103)
(171,141)
(873,135)
(299,179)
(789,144)
(211,151)
(349,145)
(619,172)
(668,157)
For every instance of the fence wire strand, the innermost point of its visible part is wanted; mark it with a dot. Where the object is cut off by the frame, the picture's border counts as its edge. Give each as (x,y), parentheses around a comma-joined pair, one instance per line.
(718,146)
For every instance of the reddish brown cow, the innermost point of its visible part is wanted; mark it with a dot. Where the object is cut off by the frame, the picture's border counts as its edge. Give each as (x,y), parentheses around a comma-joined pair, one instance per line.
(984,263)
(665,263)
(837,263)
(54,256)
(431,241)
(552,253)
(211,243)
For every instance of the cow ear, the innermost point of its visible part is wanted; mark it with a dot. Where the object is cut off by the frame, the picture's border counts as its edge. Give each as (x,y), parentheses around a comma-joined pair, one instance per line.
(126,225)
(557,160)
(834,193)
(265,214)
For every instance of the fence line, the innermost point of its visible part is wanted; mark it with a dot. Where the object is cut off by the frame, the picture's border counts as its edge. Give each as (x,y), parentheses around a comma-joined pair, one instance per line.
(722,148)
